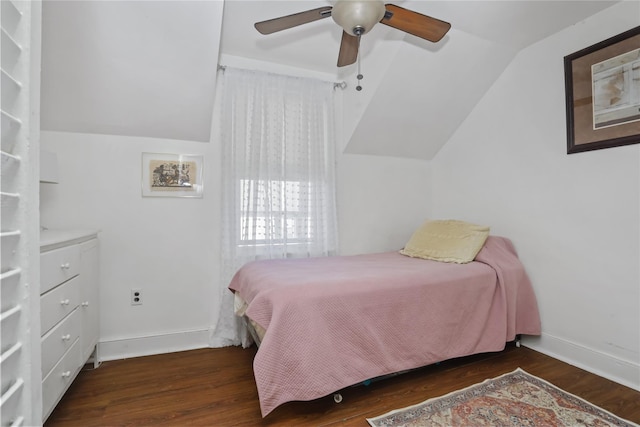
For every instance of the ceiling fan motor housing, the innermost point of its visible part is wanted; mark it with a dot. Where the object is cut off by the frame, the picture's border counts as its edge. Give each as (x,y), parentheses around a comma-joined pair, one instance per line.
(357,17)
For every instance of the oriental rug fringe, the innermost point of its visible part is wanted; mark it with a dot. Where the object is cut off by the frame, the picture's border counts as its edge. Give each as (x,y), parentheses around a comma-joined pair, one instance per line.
(513,399)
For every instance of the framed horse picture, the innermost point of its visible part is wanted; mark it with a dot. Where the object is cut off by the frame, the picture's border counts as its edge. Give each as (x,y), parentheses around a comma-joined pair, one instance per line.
(602,88)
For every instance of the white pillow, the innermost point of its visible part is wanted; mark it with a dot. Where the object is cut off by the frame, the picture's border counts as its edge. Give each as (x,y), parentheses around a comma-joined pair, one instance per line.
(447,241)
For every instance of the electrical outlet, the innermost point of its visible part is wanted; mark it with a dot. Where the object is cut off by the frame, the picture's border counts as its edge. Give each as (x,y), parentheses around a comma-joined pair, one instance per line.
(136,296)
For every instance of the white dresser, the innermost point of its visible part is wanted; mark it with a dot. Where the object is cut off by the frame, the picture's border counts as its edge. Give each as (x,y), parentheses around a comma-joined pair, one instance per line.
(69,316)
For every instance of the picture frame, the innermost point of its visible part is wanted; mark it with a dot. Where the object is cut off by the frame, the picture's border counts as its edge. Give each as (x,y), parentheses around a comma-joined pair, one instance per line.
(602,90)
(172,175)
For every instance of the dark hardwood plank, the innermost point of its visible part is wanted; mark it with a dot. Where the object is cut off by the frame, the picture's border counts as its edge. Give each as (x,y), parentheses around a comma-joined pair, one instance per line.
(215,387)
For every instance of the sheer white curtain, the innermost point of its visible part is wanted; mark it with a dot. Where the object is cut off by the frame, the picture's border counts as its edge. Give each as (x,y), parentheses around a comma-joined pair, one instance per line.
(278,176)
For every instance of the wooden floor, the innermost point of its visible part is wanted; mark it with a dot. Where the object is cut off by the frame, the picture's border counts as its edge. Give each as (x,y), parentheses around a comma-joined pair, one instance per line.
(215,387)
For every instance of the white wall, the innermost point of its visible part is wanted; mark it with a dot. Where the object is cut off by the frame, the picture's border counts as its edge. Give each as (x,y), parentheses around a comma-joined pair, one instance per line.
(381,201)
(169,247)
(573,218)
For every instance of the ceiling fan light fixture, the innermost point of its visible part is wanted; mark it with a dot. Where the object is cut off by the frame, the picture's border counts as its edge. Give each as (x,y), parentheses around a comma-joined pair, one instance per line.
(357,17)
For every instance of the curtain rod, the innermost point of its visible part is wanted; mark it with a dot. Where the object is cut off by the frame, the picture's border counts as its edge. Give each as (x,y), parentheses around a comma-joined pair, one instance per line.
(336,85)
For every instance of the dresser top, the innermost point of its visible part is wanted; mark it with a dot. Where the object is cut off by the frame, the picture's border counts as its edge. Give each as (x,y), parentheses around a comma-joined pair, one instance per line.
(53,239)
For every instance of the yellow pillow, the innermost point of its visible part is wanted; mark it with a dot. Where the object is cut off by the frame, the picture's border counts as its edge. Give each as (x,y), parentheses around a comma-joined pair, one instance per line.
(447,241)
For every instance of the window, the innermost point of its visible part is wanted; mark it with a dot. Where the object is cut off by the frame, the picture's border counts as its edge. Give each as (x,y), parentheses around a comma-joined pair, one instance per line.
(275,212)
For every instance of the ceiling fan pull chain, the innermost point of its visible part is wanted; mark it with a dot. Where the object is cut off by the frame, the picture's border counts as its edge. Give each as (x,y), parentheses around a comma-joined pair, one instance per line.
(359,76)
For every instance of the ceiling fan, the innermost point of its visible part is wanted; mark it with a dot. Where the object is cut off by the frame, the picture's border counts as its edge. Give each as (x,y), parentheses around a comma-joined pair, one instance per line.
(357,17)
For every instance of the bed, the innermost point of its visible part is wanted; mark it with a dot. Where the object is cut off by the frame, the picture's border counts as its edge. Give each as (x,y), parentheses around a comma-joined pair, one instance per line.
(332,322)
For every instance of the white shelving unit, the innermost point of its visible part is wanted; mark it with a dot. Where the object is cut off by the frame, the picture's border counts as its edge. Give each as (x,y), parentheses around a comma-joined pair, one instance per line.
(20,392)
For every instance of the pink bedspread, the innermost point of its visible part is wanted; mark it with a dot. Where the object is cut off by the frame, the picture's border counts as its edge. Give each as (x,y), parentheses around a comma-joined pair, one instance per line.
(337,321)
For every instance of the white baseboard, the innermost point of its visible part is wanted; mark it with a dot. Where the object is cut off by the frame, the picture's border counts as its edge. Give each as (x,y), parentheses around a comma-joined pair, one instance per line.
(622,371)
(124,348)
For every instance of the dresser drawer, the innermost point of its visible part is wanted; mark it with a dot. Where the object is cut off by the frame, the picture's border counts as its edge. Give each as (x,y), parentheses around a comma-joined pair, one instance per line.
(58,303)
(60,377)
(59,339)
(58,266)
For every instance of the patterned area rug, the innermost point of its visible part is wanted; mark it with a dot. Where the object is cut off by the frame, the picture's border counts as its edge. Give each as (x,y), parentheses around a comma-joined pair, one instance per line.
(513,399)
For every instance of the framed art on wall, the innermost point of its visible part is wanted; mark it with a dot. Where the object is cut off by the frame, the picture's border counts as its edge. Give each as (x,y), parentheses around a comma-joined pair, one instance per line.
(602,89)
(171,175)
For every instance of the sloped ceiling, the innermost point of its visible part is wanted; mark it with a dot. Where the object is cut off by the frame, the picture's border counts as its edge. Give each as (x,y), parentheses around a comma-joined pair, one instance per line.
(428,90)
(147,68)
(137,68)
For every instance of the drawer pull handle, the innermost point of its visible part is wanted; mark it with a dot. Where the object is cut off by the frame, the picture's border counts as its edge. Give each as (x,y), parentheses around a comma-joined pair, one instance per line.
(65,302)
(85,303)
(66,337)
(66,374)
(65,266)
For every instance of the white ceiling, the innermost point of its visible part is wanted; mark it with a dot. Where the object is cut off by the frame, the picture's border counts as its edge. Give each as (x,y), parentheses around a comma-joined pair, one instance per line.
(512,24)
(138,68)
(147,68)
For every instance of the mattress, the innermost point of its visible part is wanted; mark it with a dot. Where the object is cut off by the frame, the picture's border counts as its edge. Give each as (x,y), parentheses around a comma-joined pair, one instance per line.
(240,308)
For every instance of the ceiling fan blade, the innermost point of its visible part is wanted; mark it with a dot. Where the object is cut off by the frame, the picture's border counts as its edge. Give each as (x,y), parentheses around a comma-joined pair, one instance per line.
(348,49)
(415,23)
(289,21)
